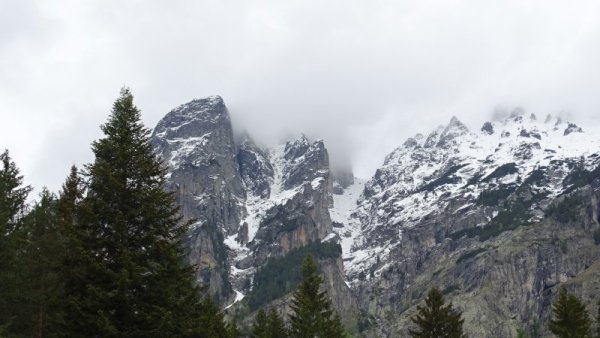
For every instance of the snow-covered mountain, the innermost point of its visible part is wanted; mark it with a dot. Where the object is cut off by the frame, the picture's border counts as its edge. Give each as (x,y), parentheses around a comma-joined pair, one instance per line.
(496,217)
(249,203)
(468,172)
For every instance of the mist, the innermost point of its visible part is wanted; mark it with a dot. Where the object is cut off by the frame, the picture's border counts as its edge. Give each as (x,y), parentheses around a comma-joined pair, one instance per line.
(362,76)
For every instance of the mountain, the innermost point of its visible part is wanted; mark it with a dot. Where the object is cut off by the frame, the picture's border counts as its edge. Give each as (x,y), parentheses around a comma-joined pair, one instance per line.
(498,218)
(249,204)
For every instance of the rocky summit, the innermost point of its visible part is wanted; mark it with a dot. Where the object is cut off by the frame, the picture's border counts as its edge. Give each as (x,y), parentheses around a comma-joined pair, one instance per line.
(497,217)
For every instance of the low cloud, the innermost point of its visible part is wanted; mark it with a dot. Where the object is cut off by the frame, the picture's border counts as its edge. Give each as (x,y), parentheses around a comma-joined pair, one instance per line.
(362,76)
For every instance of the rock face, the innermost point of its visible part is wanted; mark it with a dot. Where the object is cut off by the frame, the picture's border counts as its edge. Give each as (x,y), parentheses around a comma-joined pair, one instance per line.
(497,218)
(249,203)
(195,140)
(482,216)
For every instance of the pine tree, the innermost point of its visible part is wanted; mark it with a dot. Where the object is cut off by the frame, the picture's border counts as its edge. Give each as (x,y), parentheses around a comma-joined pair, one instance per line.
(521,333)
(275,325)
(13,196)
(129,279)
(40,259)
(259,329)
(312,315)
(211,324)
(268,326)
(437,319)
(598,322)
(570,318)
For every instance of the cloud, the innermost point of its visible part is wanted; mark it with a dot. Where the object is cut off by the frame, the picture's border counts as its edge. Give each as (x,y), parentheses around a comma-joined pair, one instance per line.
(361,75)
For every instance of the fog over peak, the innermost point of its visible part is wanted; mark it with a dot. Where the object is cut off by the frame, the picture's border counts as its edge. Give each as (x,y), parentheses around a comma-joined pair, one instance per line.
(363,76)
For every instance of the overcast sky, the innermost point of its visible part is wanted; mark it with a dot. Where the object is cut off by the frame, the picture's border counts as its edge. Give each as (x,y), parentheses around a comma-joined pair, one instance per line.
(363,75)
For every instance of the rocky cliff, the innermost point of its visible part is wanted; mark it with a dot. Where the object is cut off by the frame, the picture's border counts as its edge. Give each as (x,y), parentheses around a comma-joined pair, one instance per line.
(498,218)
(250,204)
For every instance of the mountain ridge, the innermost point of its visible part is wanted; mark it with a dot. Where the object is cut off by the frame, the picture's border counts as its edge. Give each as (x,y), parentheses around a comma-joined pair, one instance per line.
(437,202)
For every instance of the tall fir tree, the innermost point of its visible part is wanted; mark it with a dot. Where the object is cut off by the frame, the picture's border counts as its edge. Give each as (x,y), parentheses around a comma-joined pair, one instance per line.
(269,326)
(437,319)
(13,197)
(275,325)
(259,328)
(598,321)
(74,258)
(570,319)
(312,315)
(129,279)
(41,251)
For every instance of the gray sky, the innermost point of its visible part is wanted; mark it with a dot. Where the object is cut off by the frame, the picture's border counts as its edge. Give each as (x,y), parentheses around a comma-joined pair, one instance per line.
(363,75)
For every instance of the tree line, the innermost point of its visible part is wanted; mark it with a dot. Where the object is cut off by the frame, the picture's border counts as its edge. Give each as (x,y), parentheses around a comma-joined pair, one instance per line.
(570,319)
(311,312)
(103,257)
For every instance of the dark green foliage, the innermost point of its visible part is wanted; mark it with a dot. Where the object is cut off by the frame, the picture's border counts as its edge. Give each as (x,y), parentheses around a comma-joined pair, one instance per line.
(276,326)
(210,323)
(40,258)
(535,176)
(598,321)
(128,278)
(437,319)
(494,197)
(570,319)
(517,214)
(501,171)
(271,326)
(13,195)
(521,333)
(566,210)
(259,329)
(532,331)
(281,275)
(580,177)
(447,178)
(470,254)
(312,315)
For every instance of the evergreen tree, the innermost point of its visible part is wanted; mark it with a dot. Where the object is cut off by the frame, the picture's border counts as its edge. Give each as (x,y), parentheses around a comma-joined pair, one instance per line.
(13,196)
(312,315)
(437,319)
(521,333)
(598,322)
(211,324)
(570,318)
(275,325)
(259,329)
(40,258)
(268,326)
(128,279)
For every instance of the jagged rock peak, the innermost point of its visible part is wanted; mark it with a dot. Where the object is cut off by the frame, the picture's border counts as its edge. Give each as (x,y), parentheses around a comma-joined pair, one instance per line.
(455,125)
(454,129)
(517,112)
(189,118)
(572,128)
(487,128)
(296,147)
(210,105)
